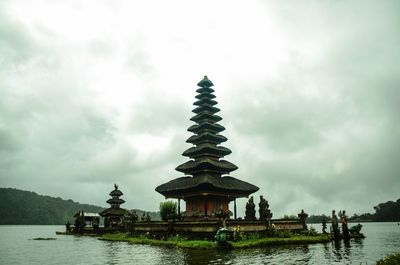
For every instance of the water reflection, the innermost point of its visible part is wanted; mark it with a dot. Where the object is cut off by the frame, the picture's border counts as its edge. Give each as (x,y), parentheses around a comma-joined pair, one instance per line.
(122,252)
(329,253)
(200,256)
(381,239)
(170,256)
(112,252)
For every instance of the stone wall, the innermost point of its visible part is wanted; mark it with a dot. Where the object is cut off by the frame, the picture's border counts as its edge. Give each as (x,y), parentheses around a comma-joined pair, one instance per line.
(210,227)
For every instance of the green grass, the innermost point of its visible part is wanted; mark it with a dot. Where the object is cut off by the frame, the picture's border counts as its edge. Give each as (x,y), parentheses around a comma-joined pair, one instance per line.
(273,241)
(184,243)
(156,242)
(393,259)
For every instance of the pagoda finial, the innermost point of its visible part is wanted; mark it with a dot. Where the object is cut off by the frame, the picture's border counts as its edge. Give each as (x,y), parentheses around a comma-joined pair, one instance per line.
(205,82)
(116,186)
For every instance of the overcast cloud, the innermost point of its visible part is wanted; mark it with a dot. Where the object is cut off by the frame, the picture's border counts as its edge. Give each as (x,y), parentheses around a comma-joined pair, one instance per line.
(94,93)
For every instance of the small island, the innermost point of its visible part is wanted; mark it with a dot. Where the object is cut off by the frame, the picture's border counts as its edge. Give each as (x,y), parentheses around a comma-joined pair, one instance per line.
(250,241)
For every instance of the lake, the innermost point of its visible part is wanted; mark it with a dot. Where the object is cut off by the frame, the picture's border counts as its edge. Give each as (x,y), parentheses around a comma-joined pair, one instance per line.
(16,247)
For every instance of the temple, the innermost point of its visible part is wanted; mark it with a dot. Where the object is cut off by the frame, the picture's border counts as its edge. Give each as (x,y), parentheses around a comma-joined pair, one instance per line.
(113,215)
(206,187)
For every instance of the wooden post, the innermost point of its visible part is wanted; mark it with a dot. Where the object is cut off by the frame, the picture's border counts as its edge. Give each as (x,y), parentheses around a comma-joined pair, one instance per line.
(234,208)
(179,209)
(205,207)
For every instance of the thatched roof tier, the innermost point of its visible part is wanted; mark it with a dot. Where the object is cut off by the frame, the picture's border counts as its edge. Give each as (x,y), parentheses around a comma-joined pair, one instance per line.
(113,212)
(205,82)
(206,127)
(203,101)
(205,90)
(205,107)
(205,164)
(206,116)
(206,137)
(207,149)
(186,186)
(115,200)
(116,192)
(205,95)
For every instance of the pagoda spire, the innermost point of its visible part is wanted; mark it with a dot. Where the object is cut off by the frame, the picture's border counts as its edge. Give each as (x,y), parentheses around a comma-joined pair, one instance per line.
(206,187)
(113,215)
(115,201)
(207,153)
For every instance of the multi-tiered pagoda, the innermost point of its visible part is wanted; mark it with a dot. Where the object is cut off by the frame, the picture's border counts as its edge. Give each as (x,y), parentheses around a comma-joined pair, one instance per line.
(113,215)
(206,188)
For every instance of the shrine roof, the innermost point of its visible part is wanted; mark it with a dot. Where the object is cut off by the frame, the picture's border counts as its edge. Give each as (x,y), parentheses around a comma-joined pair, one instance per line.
(115,201)
(113,212)
(206,182)
(206,164)
(205,82)
(116,193)
(206,137)
(205,149)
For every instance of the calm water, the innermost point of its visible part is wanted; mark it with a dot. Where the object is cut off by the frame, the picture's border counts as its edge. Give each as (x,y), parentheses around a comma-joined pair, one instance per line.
(16,247)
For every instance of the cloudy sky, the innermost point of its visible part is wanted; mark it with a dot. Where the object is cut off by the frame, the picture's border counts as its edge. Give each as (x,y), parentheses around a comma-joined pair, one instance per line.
(94,93)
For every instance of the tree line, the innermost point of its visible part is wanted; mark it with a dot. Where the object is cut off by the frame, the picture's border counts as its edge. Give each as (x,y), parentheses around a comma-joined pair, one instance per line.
(19,207)
(384,212)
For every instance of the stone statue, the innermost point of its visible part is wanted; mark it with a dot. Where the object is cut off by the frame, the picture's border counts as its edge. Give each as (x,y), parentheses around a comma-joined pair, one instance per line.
(79,222)
(143,217)
(263,209)
(148,218)
(324,226)
(68,226)
(250,210)
(335,226)
(96,223)
(134,217)
(303,216)
(345,227)
(222,215)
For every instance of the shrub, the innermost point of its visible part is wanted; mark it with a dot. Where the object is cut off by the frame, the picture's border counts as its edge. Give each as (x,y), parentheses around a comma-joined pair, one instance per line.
(177,238)
(309,232)
(289,217)
(252,236)
(272,232)
(390,260)
(238,233)
(356,229)
(168,210)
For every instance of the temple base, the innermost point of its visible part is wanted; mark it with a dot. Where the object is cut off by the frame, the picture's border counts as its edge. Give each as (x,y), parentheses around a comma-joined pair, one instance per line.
(206,207)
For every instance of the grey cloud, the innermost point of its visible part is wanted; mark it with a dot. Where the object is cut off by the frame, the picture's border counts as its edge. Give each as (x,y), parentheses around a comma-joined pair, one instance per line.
(100,47)
(339,149)
(321,134)
(16,45)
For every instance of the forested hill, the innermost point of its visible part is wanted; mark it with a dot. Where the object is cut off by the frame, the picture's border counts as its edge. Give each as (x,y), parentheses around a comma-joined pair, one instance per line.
(26,207)
(384,212)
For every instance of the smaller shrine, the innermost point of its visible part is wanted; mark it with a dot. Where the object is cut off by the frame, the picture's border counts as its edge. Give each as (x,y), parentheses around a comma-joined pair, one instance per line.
(113,216)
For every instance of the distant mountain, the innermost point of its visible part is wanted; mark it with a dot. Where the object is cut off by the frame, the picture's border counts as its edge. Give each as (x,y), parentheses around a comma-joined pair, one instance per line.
(21,207)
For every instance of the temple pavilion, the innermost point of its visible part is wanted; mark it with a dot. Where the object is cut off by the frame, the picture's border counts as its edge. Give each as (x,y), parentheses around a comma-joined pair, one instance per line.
(113,215)
(206,187)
